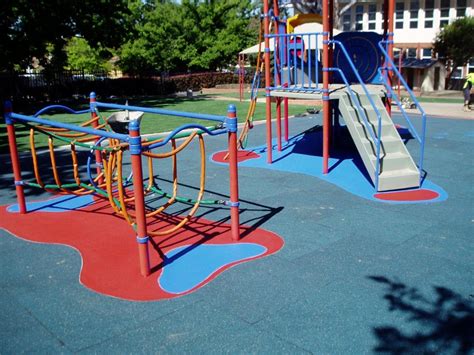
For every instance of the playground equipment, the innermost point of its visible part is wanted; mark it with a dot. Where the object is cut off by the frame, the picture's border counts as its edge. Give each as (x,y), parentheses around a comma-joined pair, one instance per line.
(107,150)
(341,70)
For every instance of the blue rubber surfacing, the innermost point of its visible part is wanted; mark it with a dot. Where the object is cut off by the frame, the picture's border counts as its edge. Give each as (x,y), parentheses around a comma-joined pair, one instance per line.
(343,283)
(55,205)
(182,273)
(302,154)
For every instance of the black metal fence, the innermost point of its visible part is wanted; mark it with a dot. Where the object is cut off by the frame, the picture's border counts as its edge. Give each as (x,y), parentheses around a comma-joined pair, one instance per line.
(59,85)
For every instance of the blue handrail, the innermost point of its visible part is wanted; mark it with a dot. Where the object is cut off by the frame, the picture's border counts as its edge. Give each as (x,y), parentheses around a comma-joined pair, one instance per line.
(125,137)
(61,107)
(182,128)
(376,139)
(71,127)
(419,138)
(159,111)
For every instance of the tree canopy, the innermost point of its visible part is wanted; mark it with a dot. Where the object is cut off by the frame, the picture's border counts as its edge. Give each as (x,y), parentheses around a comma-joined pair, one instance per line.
(148,35)
(41,28)
(193,35)
(80,55)
(455,42)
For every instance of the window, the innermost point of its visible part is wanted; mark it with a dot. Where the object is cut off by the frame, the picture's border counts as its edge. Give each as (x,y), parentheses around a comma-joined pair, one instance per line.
(346,22)
(359,17)
(414,7)
(427,53)
(461,8)
(396,53)
(457,73)
(399,8)
(470,65)
(372,16)
(411,53)
(429,10)
(444,13)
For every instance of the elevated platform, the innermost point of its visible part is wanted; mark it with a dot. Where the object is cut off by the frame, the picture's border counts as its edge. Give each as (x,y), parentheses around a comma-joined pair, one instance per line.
(313,92)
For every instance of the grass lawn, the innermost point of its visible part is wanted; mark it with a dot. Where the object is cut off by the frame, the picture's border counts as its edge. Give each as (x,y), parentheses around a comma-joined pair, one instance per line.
(150,123)
(442,100)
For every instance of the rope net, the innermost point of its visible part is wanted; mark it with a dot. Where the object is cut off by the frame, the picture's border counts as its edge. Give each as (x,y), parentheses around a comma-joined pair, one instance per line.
(109,179)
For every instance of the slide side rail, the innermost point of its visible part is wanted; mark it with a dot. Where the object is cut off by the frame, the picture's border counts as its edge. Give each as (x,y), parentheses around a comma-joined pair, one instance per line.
(375,137)
(391,67)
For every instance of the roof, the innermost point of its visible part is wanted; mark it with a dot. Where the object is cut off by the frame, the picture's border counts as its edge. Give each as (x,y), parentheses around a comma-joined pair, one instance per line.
(254,49)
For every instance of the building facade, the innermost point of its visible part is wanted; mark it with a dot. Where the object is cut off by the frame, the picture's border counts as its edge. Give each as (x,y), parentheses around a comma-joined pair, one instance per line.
(417,22)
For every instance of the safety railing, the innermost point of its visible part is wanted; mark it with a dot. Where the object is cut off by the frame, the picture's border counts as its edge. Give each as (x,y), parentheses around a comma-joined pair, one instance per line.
(391,67)
(296,65)
(213,131)
(375,137)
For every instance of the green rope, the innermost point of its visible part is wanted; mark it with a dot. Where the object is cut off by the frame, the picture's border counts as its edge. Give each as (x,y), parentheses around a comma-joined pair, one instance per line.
(71,186)
(52,186)
(100,192)
(101,118)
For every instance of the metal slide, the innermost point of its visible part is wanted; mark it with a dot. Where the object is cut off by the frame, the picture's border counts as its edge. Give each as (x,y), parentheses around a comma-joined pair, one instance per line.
(397,169)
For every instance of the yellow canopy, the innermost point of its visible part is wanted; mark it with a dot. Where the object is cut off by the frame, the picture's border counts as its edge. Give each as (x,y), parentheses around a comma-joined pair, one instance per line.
(300,19)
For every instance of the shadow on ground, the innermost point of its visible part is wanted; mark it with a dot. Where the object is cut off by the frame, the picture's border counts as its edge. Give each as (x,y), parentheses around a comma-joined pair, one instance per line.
(444,322)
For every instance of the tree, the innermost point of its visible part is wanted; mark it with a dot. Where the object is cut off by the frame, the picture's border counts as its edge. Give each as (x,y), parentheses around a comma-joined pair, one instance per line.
(29,28)
(194,35)
(215,31)
(455,42)
(154,46)
(80,55)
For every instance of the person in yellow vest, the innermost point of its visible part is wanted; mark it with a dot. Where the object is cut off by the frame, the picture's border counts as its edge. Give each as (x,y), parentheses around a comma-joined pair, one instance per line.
(467,91)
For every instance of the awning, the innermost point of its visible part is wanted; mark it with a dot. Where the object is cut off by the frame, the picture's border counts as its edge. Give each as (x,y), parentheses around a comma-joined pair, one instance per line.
(254,49)
(416,63)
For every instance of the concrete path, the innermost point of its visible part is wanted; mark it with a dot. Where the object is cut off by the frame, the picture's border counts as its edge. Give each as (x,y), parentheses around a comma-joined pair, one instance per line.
(442,110)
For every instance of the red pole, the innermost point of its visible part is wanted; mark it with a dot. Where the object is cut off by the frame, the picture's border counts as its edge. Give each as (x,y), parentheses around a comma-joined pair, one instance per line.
(233,172)
(390,16)
(326,109)
(20,194)
(136,158)
(278,110)
(330,63)
(391,11)
(276,55)
(400,57)
(98,156)
(285,102)
(268,102)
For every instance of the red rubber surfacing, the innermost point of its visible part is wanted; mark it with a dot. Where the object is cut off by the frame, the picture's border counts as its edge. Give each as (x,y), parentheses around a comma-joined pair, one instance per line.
(242,155)
(109,249)
(413,195)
